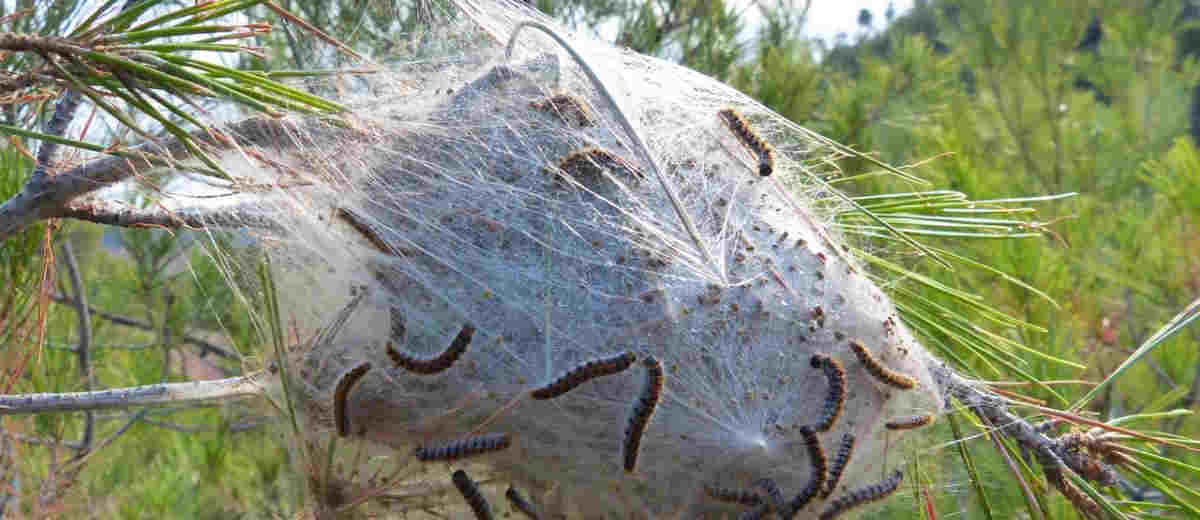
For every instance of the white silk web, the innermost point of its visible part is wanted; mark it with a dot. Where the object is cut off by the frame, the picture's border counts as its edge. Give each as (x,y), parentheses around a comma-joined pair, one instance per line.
(470,188)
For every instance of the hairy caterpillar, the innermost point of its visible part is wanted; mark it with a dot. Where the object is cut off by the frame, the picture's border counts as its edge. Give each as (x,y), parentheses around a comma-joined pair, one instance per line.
(396,327)
(882,373)
(837,390)
(590,163)
(470,492)
(437,363)
(746,134)
(341,391)
(365,230)
(1077,498)
(521,504)
(566,107)
(910,423)
(816,480)
(771,496)
(840,461)
(463,448)
(863,495)
(642,411)
(584,373)
(733,496)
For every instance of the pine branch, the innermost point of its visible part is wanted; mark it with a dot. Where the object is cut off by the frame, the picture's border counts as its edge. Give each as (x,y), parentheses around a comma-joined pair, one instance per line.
(119,319)
(50,197)
(146,395)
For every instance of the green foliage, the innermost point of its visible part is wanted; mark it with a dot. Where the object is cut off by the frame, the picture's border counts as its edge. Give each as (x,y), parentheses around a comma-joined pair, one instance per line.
(993,99)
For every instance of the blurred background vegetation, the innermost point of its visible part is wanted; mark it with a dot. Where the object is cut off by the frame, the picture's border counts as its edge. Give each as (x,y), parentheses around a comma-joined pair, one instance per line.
(997,99)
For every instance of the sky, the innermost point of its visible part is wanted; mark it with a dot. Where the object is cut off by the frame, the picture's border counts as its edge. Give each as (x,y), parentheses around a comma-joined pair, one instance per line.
(827,18)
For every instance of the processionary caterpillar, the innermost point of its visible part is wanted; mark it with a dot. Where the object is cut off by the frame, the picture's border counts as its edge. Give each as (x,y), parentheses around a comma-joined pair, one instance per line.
(437,363)
(837,390)
(769,491)
(882,373)
(909,423)
(521,504)
(470,493)
(341,391)
(566,107)
(733,496)
(365,230)
(590,163)
(746,134)
(642,411)
(396,324)
(463,448)
(584,373)
(1082,502)
(863,495)
(816,481)
(840,461)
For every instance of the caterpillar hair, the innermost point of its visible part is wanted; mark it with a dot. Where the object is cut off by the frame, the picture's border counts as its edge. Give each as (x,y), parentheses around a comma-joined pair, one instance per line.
(521,504)
(341,391)
(819,465)
(589,163)
(463,448)
(840,461)
(566,107)
(584,373)
(837,390)
(882,373)
(733,496)
(771,496)
(746,134)
(909,423)
(470,492)
(642,411)
(437,363)
(863,495)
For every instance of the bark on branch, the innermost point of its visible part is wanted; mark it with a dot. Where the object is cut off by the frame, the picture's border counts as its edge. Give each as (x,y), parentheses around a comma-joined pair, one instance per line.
(50,196)
(205,346)
(147,395)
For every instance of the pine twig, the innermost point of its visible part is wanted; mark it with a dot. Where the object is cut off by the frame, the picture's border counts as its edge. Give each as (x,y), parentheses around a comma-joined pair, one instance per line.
(146,395)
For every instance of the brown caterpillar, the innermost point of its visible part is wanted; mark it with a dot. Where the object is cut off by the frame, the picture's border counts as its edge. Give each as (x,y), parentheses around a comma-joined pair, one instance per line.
(1081,501)
(840,461)
(863,495)
(463,448)
(437,363)
(396,324)
(584,373)
(882,373)
(769,491)
(837,390)
(566,107)
(816,481)
(642,410)
(910,423)
(365,230)
(470,492)
(590,163)
(341,391)
(521,504)
(750,139)
(733,496)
